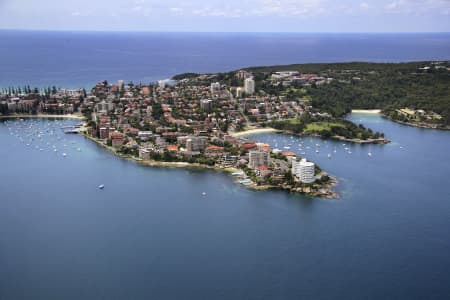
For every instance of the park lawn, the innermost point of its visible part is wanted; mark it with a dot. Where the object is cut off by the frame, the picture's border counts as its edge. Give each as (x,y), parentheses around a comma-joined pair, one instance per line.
(320,126)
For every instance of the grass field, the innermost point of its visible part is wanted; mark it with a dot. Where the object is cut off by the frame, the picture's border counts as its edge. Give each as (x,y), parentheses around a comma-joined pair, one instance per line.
(319,126)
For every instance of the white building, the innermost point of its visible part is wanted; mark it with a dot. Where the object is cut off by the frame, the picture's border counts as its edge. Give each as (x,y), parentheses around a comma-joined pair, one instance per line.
(104,107)
(144,135)
(144,153)
(239,92)
(196,143)
(121,85)
(215,87)
(284,74)
(206,104)
(161,84)
(249,86)
(257,159)
(303,170)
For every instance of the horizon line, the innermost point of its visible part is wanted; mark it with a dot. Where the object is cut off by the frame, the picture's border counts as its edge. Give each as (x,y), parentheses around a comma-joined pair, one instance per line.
(234,32)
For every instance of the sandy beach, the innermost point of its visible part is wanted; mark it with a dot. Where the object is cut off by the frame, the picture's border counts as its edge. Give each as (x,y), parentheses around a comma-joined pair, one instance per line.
(366,111)
(254,131)
(43,116)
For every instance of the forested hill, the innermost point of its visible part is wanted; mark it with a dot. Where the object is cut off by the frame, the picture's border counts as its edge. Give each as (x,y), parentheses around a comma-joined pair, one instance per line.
(387,86)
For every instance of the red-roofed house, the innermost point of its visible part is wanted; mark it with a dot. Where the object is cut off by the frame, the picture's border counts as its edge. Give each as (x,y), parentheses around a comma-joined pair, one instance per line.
(117,139)
(263,171)
(172,148)
(249,146)
(288,154)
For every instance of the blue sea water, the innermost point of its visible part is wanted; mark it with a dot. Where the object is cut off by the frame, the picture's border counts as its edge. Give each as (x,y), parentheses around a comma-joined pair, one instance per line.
(80,59)
(151,234)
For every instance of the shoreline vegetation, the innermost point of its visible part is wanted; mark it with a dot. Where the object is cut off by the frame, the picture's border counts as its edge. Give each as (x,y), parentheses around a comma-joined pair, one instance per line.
(418,124)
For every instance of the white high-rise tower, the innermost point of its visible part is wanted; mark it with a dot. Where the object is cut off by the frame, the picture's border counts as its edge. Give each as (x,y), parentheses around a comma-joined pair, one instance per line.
(249,86)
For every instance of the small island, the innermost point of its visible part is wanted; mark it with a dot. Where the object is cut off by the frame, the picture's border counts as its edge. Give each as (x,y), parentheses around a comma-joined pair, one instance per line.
(202,120)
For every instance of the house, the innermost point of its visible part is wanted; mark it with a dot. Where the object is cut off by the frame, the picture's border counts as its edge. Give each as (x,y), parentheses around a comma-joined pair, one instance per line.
(257,159)
(117,139)
(144,154)
(263,171)
(213,151)
(172,148)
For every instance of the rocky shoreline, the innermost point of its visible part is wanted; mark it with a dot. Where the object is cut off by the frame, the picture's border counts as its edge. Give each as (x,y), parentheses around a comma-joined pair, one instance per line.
(315,190)
(419,125)
(338,138)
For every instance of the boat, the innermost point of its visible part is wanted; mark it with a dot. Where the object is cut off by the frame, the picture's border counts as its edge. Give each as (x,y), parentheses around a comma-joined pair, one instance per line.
(72,131)
(204,193)
(245,182)
(101,186)
(370,153)
(64,154)
(329,155)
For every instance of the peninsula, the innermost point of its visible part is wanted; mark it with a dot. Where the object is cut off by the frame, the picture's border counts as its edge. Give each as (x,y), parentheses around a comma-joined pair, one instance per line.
(202,120)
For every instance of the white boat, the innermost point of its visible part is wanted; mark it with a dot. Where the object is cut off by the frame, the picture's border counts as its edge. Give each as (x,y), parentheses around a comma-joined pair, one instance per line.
(370,153)
(64,154)
(329,155)
(204,193)
(101,186)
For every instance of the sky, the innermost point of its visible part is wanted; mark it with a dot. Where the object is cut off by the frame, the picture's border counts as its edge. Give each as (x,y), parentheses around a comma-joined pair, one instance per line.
(228,15)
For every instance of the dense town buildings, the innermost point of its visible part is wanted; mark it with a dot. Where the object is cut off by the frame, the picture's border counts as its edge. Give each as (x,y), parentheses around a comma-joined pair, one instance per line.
(192,120)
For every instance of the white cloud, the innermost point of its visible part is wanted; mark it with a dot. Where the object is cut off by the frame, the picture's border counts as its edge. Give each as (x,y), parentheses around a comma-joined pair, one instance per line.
(364,6)
(290,7)
(78,13)
(394,5)
(225,12)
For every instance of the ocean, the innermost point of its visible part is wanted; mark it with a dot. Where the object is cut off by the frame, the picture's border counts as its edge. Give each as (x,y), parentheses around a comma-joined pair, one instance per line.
(81,59)
(152,234)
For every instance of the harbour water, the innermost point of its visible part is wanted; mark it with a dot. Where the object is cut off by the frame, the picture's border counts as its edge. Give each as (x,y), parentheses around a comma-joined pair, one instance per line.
(152,234)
